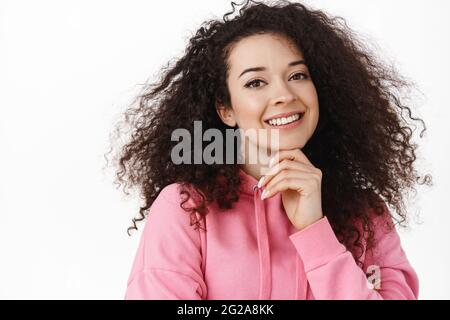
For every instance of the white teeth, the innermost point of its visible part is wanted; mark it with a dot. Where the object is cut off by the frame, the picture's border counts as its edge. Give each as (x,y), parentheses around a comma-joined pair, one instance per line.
(284,120)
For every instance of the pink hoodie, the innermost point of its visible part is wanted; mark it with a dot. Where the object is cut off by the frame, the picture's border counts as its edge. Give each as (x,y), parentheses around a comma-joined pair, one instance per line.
(253,251)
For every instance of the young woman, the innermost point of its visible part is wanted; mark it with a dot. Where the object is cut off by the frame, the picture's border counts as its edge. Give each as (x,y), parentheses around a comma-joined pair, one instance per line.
(316,223)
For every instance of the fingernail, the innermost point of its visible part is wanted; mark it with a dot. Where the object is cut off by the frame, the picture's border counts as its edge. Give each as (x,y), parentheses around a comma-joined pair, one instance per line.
(261,181)
(271,161)
(264,195)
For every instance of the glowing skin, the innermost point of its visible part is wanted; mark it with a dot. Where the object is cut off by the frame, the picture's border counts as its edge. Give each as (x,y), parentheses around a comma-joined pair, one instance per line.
(281,86)
(278,89)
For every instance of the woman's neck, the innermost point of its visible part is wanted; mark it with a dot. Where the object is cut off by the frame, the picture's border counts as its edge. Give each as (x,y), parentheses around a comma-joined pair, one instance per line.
(253,170)
(257,168)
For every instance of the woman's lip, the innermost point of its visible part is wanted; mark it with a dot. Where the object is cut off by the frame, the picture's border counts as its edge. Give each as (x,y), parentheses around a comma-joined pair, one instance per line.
(288,125)
(283,115)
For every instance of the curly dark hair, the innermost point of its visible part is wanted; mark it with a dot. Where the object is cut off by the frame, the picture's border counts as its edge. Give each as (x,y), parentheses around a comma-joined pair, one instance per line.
(362,143)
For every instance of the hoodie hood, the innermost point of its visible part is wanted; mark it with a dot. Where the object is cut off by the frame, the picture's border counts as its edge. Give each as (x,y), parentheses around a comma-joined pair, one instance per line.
(249,186)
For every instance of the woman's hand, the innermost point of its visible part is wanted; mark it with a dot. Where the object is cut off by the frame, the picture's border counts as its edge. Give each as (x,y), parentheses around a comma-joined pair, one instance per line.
(292,174)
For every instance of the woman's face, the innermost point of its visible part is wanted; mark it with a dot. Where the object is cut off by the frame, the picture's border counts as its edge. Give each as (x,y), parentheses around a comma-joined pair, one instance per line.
(270,88)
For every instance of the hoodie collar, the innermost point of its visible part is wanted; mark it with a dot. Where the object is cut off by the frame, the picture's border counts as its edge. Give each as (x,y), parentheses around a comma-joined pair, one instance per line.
(248,183)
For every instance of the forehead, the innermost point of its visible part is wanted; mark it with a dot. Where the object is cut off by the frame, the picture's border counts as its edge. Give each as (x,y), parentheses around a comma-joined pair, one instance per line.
(266,50)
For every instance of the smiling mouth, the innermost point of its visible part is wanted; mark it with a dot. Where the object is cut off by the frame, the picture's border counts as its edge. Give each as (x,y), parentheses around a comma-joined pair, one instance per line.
(276,122)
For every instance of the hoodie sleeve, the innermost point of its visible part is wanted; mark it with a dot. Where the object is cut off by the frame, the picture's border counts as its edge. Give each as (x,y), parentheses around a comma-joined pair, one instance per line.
(167,265)
(332,272)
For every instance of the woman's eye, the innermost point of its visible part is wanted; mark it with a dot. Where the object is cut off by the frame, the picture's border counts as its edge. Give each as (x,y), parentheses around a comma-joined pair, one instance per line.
(252,84)
(257,83)
(299,74)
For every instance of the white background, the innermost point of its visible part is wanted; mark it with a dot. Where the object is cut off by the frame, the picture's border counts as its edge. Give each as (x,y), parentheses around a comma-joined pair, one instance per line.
(67,71)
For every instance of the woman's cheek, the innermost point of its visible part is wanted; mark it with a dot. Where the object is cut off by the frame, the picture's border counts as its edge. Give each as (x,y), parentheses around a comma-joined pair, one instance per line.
(250,113)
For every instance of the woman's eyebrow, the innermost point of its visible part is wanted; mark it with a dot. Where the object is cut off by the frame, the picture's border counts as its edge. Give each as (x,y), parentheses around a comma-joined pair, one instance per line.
(293,63)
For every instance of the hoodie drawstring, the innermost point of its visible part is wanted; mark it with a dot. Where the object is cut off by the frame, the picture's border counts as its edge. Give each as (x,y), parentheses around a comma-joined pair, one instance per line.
(262,235)
(265,279)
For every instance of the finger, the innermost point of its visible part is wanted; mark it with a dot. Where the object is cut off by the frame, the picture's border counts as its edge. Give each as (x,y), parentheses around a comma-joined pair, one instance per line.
(293,154)
(283,165)
(300,185)
(290,174)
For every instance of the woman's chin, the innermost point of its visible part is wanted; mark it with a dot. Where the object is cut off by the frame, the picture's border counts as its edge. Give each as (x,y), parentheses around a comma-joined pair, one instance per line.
(287,146)
(273,148)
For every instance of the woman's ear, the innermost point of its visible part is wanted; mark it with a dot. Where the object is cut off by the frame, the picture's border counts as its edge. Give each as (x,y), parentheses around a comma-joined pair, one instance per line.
(226,114)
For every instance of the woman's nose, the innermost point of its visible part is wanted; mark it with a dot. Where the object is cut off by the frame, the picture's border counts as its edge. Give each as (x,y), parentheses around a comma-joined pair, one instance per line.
(281,94)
